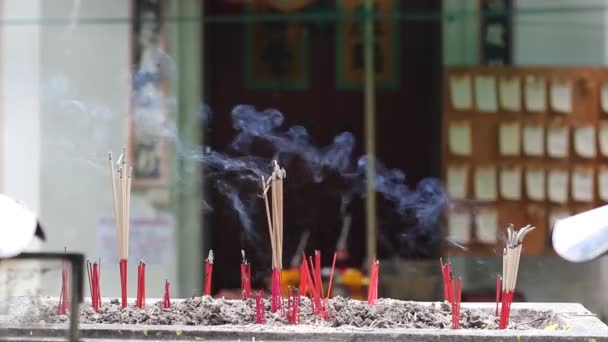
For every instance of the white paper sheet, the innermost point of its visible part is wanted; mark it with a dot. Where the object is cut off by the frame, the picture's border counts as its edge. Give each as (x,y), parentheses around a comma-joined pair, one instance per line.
(509,94)
(557,189)
(535,184)
(459,133)
(509,138)
(561,97)
(486,222)
(602,179)
(557,214)
(485,183)
(457,179)
(557,142)
(460,92)
(534,140)
(584,141)
(582,184)
(510,183)
(535,94)
(485,93)
(603,139)
(459,227)
(604,97)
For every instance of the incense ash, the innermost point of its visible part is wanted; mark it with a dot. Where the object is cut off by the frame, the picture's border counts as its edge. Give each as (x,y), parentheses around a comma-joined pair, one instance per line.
(341,312)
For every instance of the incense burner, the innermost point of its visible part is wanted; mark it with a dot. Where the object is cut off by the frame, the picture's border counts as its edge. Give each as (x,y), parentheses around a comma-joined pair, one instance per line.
(349,320)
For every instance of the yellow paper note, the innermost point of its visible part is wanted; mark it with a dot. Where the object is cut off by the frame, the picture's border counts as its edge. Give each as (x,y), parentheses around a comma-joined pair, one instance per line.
(459,227)
(584,141)
(535,184)
(509,94)
(509,138)
(557,188)
(460,92)
(534,140)
(510,183)
(557,142)
(485,93)
(486,222)
(603,139)
(485,183)
(460,138)
(561,97)
(535,94)
(604,97)
(602,179)
(457,181)
(582,184)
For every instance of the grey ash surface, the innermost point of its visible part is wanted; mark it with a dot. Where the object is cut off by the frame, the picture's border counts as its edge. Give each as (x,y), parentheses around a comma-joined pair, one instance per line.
(207,311)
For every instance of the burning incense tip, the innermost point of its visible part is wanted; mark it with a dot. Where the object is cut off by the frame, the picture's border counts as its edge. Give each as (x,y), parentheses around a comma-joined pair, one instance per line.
(210,257)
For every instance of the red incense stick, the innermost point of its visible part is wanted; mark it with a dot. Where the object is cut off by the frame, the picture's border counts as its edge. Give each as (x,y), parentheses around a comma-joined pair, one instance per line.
(456,305)
(123,281)
(498,287)
(166,298)
(331,275)
(141,285)
(245,277)
(208,273)
(260,314)
(303,276)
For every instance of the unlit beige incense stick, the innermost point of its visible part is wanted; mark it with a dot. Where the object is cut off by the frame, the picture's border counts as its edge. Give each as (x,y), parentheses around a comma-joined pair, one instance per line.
(121,191)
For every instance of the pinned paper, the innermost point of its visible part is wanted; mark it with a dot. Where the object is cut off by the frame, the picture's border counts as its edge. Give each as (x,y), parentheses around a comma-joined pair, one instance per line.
(557,189)
(510,183)
(603,139)
(509,94)
(460,92)
(582,184)
(535,96)
(561,97)
(459,136)
(535,184)
(459,227)
(485,93)
(485,183)
(557,142)
(584,141)
(604,97)
(457,181)
(509,138)
(557,214)
(602,179)
(534,140)
(486,222)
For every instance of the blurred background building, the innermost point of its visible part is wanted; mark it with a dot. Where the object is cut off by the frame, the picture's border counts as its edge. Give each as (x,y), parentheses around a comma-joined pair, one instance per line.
(417,84)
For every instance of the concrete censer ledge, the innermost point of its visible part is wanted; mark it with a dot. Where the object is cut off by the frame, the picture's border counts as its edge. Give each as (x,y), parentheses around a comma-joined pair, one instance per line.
(206,318)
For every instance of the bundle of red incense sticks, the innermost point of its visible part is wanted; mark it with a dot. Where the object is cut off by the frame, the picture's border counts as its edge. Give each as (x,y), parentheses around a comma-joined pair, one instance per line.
(94,273)
(446,273)
(372,291)
(121,190)
(275,228)
(141,285)
(64,297)
(510,266)
(451,295)
(166,297)
(245,277)
(208,273)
